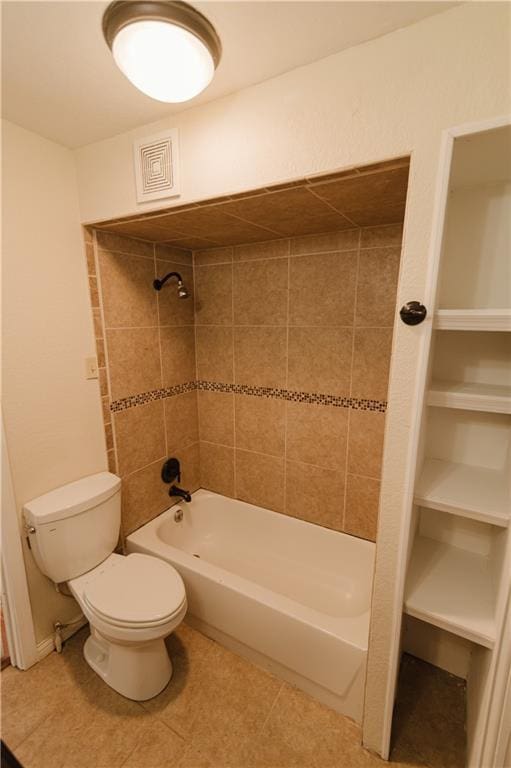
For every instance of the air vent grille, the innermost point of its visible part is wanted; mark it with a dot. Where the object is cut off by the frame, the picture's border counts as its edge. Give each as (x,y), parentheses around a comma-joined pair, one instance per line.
(156,166)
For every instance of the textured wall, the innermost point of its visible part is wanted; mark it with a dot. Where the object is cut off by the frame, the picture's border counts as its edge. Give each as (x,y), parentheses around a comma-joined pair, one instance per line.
(52,414)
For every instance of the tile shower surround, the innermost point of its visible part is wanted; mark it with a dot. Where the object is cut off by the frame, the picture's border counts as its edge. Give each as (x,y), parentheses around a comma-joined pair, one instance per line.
(231,389)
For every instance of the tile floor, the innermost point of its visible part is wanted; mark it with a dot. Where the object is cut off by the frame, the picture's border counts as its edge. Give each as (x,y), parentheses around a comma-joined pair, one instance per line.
(218,712)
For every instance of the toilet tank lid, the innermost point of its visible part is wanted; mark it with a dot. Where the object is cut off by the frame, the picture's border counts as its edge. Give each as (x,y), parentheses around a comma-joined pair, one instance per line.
(71,499)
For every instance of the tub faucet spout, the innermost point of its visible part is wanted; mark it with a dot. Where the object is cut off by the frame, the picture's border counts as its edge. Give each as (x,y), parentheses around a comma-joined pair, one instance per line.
(175,491)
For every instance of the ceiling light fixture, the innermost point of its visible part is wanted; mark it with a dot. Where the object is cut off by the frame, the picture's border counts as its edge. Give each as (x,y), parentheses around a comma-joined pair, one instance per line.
(168,50)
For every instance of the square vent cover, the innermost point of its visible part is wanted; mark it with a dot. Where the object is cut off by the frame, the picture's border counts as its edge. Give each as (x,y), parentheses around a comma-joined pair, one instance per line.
(157,166)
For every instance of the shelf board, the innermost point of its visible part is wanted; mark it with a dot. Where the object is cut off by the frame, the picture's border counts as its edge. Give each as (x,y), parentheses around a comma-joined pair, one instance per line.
(460,489)
(491,398)
(452,589)
(473,320)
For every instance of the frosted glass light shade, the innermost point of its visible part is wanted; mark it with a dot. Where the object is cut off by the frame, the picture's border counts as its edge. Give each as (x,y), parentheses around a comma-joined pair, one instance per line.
(163,60)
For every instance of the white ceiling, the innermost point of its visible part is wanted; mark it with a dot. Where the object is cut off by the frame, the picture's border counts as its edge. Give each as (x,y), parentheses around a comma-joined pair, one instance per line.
(59,79)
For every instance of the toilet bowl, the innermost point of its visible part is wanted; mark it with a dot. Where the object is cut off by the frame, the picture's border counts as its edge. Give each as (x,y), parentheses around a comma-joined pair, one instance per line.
(132,603)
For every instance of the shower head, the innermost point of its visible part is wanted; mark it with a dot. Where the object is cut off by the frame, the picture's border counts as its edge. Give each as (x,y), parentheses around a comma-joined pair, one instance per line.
(182,291)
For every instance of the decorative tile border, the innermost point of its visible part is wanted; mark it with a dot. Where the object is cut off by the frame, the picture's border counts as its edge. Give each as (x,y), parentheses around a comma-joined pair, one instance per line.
(149,397)
(356,403)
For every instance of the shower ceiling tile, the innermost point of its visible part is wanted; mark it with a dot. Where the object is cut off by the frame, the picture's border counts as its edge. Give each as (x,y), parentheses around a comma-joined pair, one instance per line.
(295,211)
(367,196)
(195,243)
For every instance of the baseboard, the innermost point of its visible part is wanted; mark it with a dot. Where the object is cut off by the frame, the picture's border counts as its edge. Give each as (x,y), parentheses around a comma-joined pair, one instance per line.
(46,646)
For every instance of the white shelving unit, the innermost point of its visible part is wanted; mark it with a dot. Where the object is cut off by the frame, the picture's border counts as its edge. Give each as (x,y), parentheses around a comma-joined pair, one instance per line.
(470,396)
(473,319)
(452,589)
(460,489)
(459,566)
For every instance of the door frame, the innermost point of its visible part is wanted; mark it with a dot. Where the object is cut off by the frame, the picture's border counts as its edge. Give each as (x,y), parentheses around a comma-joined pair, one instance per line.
(16,607)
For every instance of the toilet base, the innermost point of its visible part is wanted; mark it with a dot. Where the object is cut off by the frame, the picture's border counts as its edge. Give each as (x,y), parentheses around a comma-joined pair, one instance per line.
(138,671)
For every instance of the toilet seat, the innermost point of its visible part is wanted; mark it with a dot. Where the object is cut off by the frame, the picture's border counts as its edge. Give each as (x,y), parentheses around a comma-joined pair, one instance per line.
(139,591)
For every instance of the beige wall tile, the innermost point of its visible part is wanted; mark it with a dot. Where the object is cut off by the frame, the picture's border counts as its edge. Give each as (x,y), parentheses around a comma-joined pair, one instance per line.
(103,382)
(91,262)
(213,295)
(362,501)
(371,363)
(112,462)
(216,417)
(272,249)
(171,309)
(93,291)
(144,496)
(109,437)
(320,360)
(260,480)
(129,299)
(100,352)
(181,421)
(213,256)
(377,237)
(345,240)
(215,354)
(365,446)
(315,494)
(140,436)
(260,292)
(260,424)
(217,468)
(377,286)
(134,357)
(98,323)
(189,459)
(260,356)
(164,252)
(177,354)
(105,406)
(109,241)
(317,434)
(322,289)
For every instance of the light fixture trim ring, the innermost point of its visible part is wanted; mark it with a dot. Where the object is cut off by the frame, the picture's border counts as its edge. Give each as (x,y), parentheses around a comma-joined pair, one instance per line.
(121,13)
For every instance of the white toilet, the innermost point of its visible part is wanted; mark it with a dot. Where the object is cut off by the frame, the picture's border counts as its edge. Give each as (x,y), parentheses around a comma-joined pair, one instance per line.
(132,603)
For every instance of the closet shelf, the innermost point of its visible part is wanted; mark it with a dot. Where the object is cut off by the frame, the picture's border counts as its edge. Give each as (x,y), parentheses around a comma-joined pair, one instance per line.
(491,398)
(451,589)
(473,320)
(464,490)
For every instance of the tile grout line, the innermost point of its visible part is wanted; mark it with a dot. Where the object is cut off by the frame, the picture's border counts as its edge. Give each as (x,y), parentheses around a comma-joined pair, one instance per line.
(234,473)
(351,384)
(277,695)
(160,352)
(194,281)
(287,367)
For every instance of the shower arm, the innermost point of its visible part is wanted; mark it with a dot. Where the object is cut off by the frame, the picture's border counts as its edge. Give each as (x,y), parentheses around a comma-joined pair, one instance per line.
(158,284)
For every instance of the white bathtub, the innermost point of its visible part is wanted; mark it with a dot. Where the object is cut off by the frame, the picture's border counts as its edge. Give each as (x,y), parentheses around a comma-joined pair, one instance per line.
(289,595)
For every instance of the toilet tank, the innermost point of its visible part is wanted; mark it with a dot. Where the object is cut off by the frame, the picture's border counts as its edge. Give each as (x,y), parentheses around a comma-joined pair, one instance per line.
(75,527)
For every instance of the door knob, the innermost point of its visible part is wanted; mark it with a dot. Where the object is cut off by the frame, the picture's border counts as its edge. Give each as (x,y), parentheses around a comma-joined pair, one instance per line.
(413,312)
